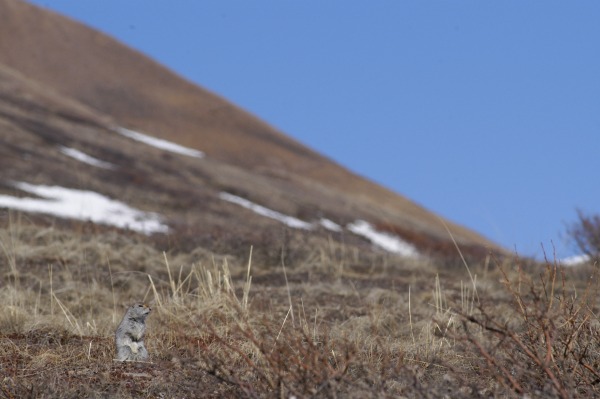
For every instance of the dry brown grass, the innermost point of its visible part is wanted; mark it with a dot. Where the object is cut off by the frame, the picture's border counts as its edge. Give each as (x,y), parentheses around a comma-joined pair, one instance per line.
(332,323)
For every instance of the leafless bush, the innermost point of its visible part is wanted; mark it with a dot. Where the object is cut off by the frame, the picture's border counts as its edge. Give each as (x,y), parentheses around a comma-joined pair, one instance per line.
(548,347)
(585,233)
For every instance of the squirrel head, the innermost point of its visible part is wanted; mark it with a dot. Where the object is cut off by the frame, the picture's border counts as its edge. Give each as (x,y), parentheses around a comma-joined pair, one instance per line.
(138,311)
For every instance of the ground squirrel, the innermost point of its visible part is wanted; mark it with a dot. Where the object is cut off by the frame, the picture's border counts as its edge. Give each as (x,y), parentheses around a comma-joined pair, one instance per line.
(129,337)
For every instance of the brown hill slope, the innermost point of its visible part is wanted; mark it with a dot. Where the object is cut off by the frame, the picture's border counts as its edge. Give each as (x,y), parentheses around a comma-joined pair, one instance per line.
(87,72)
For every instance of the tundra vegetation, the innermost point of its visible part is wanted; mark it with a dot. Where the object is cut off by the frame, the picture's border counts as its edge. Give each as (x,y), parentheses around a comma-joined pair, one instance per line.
(329,321)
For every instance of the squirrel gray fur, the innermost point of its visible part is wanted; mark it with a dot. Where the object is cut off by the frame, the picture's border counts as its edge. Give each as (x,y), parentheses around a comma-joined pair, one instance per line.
(129,336)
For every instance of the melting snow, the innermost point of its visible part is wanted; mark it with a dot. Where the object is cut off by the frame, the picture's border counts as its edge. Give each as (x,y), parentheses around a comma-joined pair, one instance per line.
(386,241)
(85,158)
(159,143)
(261,210)
(83,205)
(329,225)
(575,260)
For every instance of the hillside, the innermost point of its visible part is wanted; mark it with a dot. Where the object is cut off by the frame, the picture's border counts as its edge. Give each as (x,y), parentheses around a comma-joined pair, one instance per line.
(67,86)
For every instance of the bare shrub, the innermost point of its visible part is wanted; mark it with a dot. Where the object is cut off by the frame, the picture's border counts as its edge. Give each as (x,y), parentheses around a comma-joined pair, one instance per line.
(548,345)
(585,233)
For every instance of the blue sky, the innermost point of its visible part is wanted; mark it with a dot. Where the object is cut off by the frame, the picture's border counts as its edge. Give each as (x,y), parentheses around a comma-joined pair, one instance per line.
(487,113)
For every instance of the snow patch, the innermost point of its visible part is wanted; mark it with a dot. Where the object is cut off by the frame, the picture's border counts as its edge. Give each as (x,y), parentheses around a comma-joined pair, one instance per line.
(389,242)
(330,225)
(85,158)
(83,205)
(261,210)
(159,143)
(575,260)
